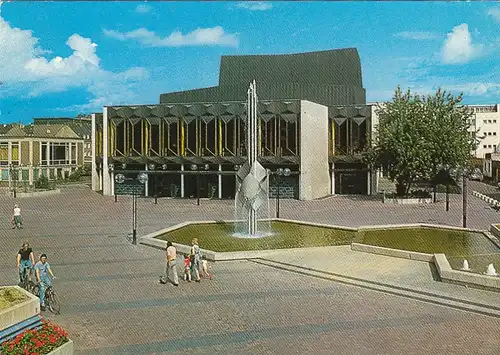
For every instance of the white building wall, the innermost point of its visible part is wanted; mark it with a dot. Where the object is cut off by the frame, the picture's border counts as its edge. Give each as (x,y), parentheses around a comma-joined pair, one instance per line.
(486,122)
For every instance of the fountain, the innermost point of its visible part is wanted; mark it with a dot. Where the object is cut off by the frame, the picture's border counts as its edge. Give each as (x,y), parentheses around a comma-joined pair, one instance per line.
(466,266)
(490,271)
(252,182)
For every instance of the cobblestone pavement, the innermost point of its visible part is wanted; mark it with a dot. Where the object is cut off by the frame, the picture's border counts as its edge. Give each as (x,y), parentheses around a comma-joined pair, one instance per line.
(113,303)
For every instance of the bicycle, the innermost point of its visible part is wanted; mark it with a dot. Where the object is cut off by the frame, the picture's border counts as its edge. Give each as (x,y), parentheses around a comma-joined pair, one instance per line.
(26,282)
(51,298)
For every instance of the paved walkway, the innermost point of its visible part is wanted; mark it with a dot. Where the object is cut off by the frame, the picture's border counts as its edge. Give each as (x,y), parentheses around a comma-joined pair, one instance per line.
(112,302)
(379,269)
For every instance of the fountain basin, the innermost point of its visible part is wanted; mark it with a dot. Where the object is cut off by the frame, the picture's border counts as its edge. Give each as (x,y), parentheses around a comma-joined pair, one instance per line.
(219,236)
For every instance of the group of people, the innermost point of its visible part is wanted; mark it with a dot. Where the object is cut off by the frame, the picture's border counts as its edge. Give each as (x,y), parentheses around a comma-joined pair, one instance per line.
(26,265)
(194,264)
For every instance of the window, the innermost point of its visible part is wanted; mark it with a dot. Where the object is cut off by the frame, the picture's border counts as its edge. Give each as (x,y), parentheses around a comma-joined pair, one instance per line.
(4,154)
(494,133)
(484,146)
(494,121)
(489,145)
(485,121)
(489,133)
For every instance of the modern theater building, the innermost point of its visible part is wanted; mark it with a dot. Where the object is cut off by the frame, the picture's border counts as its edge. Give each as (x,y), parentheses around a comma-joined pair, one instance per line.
(313,119)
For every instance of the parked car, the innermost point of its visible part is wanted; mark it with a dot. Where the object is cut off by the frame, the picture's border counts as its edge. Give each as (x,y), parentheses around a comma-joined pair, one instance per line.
(476,175)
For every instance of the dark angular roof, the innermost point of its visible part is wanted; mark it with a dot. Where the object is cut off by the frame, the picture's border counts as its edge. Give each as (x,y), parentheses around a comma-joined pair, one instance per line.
(331,67)
(328,78)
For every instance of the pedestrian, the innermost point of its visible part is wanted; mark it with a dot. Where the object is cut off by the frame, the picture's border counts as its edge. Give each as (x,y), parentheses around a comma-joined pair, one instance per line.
(195,259)
(187,268)
(204,268)
(171,264)
(16,217)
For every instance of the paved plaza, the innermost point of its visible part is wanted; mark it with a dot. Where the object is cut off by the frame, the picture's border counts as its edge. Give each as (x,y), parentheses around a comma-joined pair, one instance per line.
(113,303)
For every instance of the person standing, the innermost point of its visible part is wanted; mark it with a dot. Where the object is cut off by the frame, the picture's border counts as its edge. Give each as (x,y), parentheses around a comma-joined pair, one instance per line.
(171,264)
(42,276)
(195,259)
(25,260)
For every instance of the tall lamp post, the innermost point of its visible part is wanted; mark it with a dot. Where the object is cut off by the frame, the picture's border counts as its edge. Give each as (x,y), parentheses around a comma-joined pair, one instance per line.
(14,177)
(111,169)
(465,177)
(141,178)
(194,167)
(279,173)
(152,167)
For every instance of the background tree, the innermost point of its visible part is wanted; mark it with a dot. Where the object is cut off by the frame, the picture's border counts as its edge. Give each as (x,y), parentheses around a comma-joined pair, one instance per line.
(417,135)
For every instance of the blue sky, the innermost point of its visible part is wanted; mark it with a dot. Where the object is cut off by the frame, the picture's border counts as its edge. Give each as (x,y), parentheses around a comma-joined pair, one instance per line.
(64,58)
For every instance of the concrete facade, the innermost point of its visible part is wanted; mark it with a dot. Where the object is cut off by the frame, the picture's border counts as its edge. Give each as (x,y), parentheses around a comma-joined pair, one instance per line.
(485,125)
(314,179)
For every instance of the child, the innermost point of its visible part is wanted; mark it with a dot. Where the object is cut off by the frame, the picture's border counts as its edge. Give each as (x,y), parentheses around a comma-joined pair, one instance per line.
(187,268)
(204,268)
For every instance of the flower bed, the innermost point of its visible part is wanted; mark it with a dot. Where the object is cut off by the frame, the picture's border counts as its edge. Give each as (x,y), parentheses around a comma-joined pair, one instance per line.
(40,341)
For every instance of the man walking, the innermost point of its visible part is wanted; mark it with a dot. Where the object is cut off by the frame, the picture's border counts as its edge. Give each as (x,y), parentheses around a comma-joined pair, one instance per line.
(171,264)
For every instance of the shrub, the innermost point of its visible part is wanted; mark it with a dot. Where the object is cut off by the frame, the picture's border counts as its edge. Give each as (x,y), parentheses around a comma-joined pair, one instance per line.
(40,341)
(42,183)
(75,176)
(420,194)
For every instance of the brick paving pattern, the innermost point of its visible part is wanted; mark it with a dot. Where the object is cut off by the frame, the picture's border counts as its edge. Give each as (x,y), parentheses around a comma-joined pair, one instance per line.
(113,303)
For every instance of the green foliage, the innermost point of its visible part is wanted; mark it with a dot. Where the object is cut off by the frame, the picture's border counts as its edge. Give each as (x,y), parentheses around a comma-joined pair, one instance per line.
(415,135)
(10,296)
(75,176)
(42,183)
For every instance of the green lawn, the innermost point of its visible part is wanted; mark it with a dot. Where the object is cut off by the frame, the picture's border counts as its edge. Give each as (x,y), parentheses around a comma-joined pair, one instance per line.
(9,296)
(218,237)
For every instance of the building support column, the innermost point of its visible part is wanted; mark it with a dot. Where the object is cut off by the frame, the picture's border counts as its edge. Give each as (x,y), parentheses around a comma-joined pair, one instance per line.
(100,177)
(182,181)
(47,157)
(219,177)
(96,178)
(332,179)
(30,171)
(146,184)
(106,183)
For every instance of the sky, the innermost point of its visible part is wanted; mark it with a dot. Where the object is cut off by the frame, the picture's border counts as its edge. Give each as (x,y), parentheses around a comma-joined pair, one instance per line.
(60,59)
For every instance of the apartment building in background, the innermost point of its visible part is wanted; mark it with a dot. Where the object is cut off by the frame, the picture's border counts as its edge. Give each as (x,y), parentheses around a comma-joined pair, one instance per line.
(28,152)
(485,125)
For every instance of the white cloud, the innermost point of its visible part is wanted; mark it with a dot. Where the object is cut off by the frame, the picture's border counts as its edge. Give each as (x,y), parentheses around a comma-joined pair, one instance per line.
(255,5)
(214,36)
(495,13)
(458,47)
(143,8)
(418,36)
(26,71)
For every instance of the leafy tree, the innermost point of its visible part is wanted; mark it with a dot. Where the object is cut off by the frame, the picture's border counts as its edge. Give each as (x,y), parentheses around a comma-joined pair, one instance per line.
(416,135)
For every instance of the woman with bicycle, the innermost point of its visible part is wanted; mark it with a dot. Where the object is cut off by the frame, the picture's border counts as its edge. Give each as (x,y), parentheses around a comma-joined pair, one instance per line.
(25,262)
(43,270)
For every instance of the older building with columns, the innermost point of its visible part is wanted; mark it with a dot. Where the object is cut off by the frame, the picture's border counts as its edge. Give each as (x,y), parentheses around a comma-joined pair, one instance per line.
(312,119)
(31,151)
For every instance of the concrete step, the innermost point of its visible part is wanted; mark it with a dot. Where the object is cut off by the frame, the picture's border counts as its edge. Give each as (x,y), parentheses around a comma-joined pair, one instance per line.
(419,295)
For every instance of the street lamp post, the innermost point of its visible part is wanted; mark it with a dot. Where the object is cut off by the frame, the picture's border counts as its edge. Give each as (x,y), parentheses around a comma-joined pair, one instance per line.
(14,177)
(194,167)
(152,167)
(142,178)
(279,173)
(111,168)
(464,198)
